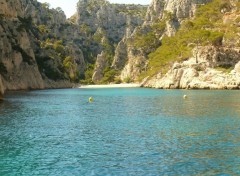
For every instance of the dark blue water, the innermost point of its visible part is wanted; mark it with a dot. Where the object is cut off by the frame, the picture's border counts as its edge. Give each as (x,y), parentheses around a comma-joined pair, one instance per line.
(123,132)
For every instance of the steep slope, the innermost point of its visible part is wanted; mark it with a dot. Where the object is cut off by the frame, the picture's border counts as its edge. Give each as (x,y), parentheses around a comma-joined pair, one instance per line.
(36,48)
(204,53)
(58,57)
(162,18)
(19,68)
(103,26)
(40,48)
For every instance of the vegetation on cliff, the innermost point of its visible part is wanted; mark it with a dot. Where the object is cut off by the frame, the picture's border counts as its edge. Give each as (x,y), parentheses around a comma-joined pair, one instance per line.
(207,28)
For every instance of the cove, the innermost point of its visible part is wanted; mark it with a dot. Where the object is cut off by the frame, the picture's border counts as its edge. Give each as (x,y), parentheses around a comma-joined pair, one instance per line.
(124,131)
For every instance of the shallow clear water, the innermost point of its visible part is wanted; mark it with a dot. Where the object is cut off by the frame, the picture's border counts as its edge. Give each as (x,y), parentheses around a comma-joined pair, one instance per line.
(123,132)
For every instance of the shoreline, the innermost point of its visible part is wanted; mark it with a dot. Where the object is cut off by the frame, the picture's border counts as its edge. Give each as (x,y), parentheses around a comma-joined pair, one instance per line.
(110,86)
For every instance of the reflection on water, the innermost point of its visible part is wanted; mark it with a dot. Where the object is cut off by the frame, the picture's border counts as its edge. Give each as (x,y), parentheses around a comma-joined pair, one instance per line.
(123,132)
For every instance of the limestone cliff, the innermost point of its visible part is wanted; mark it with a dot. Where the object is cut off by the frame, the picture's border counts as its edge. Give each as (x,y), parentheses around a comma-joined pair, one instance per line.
(99,67)
(36,48)
(104,27)
(19,69)
(179,10)
(57,37)
(215,59)
(113,19)
(163,17)
(175,11)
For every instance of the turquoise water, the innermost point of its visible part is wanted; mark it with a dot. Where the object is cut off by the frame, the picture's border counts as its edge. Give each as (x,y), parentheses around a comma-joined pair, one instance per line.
(123,132)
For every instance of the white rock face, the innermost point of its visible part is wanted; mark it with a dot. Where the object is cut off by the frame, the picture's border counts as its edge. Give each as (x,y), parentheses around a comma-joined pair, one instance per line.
(179,10)
(113,18)
(121,55)
(237,68)
(101,63)
(134,65)
(204,74)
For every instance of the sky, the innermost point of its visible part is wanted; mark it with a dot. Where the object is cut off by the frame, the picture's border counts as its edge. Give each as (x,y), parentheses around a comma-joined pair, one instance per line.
(69,6)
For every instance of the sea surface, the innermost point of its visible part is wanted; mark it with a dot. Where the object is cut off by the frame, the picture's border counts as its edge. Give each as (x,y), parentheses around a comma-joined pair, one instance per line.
(124,131)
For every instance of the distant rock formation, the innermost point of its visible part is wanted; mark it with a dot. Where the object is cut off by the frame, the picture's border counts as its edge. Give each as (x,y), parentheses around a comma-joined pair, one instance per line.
(109,24)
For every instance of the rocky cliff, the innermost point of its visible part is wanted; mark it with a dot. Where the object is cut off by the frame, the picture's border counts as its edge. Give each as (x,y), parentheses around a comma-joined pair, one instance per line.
(162,18)
(217,68)
(213,60)
(172,44)
(110,20)
(106,26)
(19,68)
(36,48)
(40,48)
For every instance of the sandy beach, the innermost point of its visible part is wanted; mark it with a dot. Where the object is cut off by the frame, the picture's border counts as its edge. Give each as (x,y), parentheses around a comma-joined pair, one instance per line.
(109,86)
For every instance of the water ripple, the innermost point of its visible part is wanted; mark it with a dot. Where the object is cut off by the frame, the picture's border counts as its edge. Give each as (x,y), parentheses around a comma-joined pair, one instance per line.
(123,132)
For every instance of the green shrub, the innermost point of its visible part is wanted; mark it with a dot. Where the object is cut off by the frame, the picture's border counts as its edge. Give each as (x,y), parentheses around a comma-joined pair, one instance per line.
(224,69)
(68,62)
(128,80)
(58,46)
(88,75)
(109,75)
(117,80)
(42,28)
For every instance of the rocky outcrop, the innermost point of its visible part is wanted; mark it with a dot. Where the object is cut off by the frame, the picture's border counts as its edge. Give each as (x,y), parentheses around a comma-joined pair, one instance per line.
(121,55)
(178,10)
(40,48)
(58,38)
(101,64)
(173,12)
(129,59)
(135,64)
(217,68)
